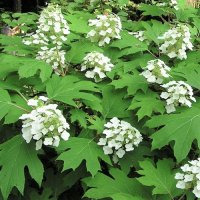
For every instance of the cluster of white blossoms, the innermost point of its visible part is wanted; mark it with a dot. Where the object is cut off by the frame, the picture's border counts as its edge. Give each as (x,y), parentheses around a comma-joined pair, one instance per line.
(171,3)
(163,4)
(106,28)
(52,31)
(52,28)
(119,138)
(176,42)
(177,93)
(174,4)
(190,177)
(156,71)
(139,35)
(45,123)
(96,65)
(54,57)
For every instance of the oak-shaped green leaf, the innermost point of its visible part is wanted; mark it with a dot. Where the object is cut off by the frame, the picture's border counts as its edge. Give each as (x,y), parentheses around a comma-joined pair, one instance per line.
(26,67)
(5,101)
(45,195)
(18,106)
(123,196)
(189,69)
(186,12)
(133,83)
(128,45)
(97,124)
(81,18)
(122,2)
(71,88)
(15,155)
(13,44)
(131,159)
(151,10)
(31,66)
(8,64)
(119,185)
(154,29)
(11,107)
(80,116)
(182,128)
(79,49)
(147,104)
(126,41)
(160,177)
(76,150)
(114,103)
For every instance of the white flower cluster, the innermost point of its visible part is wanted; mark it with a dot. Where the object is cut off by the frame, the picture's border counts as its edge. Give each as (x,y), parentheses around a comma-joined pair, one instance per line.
(177,93)
(190,177)
(163,4)
(176,42)
(174,4)
(54,57)
(45,123)
(120,137)
(156,71)
(171,3)
(52,27)
(52,31)
(96,65)
(106,27)
(139,35)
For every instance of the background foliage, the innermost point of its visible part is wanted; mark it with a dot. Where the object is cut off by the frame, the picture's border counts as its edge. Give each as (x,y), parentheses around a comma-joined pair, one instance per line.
(78,168)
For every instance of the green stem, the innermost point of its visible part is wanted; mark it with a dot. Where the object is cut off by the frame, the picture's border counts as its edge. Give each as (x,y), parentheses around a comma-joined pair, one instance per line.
(22,96)
(181,198)
(62,71)
(152,54)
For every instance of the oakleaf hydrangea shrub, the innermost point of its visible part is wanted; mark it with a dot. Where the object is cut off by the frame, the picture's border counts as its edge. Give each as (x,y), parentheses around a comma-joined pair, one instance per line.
(100,100)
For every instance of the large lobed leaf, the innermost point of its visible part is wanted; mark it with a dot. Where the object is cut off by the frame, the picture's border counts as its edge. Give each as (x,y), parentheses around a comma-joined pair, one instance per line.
(79,49)
(80,116)
(147,104)
(151,10)
(182,128)
(189,69)
(75,150)
(118,187)
(26,67)
(133,83)
(114,103)
(154,29)
(15,155)
(12,107)
(161,177)
(71,88)
(128,45)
